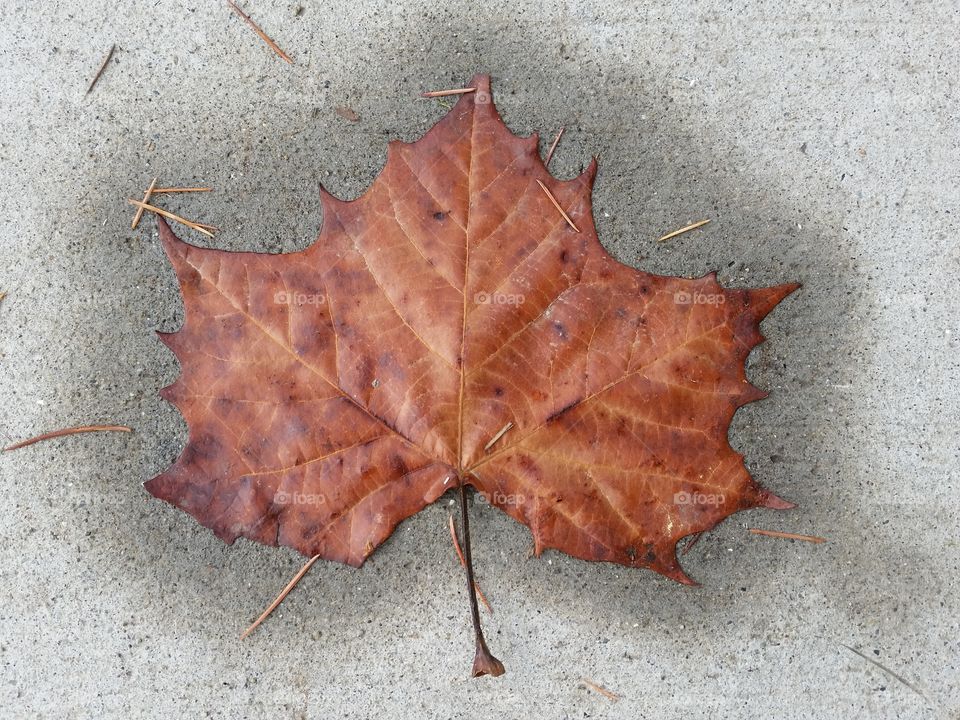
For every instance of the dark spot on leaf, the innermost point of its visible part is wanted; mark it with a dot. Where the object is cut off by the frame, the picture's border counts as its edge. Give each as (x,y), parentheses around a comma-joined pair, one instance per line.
(398,466)
(561,411)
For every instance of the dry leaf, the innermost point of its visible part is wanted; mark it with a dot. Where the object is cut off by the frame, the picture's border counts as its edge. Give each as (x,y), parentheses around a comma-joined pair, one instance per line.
(333,392)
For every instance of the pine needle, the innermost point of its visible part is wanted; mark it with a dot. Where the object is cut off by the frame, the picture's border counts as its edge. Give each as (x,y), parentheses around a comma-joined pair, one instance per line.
(553,147)
(788,536)
(444,93)
(611,696)
(211,228)
(256,28)
(146,198)
(557,206)
(691,542)
(500,433)
(279,599)
(887,670)
(67,431)
(103,66)
(682,230)
(463,562)
(205,229)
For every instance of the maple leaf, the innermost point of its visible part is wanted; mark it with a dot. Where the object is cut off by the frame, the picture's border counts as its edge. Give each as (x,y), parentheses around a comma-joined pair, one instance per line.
(333,392)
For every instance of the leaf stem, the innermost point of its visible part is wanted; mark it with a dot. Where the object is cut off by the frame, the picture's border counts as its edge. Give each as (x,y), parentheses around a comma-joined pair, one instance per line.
(484,663)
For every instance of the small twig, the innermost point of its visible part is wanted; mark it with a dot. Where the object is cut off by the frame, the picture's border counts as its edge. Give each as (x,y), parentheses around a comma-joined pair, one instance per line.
(463,563)
(693,541)
(146,199)
(283,593)
(557,206)
(3,294)
(103,66)
(67,431)
(556,141)
(887,670)
(158,191)
(500,433)
(256,28)
(788,536)
(611,696)
(444,93)
(682,230)
(160,211)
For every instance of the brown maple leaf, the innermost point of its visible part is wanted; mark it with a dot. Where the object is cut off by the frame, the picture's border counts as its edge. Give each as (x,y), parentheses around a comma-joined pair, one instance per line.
(333,392)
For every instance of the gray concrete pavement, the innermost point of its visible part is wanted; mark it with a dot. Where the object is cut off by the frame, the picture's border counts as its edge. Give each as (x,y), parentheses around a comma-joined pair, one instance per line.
(820,137)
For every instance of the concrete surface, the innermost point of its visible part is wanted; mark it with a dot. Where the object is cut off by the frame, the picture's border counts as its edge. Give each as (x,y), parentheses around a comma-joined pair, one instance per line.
(820,137)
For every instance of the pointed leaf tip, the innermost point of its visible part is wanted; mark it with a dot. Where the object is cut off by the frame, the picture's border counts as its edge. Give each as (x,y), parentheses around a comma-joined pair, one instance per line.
(590,173)
(774,502)
(481,81)
(764,300)
(752,393)
(671,568)
(163,227)
(173,246)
